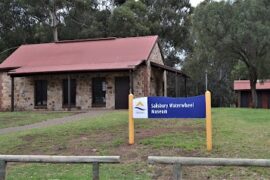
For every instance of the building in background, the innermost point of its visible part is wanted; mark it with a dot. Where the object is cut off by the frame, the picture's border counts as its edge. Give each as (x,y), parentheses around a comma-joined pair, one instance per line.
(242,88)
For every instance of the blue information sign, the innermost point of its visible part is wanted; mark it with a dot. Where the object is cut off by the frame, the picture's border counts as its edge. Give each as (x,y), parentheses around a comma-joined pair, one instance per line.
(166,107)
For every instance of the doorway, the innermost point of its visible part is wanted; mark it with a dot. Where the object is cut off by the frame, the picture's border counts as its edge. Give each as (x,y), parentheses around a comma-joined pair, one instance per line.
(121,92)
(244,99)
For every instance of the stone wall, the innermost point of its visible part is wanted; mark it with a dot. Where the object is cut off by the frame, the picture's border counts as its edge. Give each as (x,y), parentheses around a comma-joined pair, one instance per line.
(5,93)
(155,55)
(140,81)
(24,90)
(23,93)
(157,76)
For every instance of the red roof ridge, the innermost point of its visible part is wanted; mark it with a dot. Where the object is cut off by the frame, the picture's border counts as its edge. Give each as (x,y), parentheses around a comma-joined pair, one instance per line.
(89,39)
(103,39)
(83,40)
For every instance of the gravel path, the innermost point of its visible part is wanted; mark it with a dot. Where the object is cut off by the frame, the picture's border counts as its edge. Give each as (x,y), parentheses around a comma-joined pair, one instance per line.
(56,121)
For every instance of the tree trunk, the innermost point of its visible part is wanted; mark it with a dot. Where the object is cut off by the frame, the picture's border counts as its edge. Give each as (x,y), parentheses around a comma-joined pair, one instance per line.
(254,93)
(55,34)
(253,81)
(54,22)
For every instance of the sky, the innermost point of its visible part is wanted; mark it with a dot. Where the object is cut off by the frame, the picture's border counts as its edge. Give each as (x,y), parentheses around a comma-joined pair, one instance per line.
(195,2)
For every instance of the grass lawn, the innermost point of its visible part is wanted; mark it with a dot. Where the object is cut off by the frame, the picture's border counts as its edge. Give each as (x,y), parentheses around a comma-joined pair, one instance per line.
(12,119)
(241,133)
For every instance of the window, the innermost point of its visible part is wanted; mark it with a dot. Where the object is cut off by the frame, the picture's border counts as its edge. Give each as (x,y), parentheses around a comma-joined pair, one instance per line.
(72,92)
(99,92)
(41,93)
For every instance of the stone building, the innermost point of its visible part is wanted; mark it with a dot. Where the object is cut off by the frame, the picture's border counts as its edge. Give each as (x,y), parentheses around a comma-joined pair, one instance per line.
(83,74)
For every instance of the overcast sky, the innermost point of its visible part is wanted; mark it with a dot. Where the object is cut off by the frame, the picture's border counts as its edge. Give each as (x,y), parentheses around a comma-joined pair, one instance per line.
(195,2)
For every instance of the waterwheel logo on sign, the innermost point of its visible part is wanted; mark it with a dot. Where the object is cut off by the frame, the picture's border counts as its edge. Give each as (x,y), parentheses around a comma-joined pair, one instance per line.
(140,107)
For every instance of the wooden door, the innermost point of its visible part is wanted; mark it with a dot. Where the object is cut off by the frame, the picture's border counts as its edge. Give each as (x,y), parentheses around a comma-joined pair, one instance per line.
(244,99)
(121,92)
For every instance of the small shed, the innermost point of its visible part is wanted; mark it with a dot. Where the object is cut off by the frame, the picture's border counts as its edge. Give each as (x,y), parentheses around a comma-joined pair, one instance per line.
(242,88)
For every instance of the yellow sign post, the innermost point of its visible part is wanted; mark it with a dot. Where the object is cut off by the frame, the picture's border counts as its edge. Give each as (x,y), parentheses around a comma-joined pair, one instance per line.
(130,120)
(208,121)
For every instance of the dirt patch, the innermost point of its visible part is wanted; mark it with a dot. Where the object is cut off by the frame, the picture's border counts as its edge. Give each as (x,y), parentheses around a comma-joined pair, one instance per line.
(94,142)
(28,138)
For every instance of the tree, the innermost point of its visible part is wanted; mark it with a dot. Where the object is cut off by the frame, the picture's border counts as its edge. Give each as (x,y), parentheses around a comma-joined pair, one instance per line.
(47,12)
(219,77)
(170,19)
(235,31)
(129,19)
(84,19)
(16,27)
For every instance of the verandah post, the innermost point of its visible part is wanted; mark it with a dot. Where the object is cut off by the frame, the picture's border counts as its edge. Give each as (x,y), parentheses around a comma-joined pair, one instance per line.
(208,120)
(69,93)
(12,94)
(3,165)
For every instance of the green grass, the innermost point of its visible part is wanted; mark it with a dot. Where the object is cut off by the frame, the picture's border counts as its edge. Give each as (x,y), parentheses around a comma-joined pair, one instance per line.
(12,119)
(243,133)
(188,141)
(74,171)
(46,139)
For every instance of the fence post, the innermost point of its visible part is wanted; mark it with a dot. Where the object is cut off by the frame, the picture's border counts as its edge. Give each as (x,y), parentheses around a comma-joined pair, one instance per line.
(2,170)
(177,171)
(95,171)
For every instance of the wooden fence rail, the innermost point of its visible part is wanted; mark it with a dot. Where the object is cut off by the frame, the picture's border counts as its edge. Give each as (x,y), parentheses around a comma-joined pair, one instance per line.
(178,162)
(95,160)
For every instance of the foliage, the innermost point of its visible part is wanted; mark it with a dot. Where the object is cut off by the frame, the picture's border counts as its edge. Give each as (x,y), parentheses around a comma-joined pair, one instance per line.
(170,20)
(233,31)
(16,26)
(130,19)
(84,20)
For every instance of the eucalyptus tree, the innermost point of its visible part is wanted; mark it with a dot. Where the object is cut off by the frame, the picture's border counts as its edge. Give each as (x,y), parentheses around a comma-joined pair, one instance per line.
(16,27)
(129,19)
(235,31)
(170,19)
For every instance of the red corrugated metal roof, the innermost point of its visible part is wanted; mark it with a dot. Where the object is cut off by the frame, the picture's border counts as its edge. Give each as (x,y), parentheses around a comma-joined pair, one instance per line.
(103,54)
(245,85)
